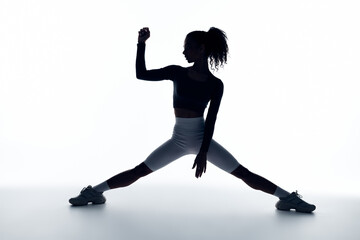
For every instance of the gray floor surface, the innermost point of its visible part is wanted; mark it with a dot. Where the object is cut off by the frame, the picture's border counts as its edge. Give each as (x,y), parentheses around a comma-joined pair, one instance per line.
(172,212)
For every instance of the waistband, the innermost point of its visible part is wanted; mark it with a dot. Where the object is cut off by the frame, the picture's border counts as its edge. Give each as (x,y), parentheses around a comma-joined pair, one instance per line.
(189,120)
(189,123)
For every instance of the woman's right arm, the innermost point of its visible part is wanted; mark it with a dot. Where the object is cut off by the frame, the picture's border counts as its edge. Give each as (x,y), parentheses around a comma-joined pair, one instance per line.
(141,71)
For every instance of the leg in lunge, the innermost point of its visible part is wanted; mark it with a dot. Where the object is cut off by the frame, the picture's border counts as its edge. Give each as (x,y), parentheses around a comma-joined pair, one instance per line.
(95,194)
(163,155)
(128,177)
(223,159)
(253,180)
(159,158)
(287,201)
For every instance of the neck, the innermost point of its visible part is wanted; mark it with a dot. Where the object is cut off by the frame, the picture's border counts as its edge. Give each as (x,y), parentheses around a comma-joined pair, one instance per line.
(201,66)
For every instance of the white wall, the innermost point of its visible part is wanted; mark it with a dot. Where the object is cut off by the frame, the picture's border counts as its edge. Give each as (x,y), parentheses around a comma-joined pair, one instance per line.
(72,111)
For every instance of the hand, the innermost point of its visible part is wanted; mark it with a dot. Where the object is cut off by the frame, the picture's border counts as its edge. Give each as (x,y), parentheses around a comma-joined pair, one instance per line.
(200,163)
(144,35)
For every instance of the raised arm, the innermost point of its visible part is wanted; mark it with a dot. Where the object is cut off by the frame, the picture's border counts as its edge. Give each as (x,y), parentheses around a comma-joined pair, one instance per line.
(141,71)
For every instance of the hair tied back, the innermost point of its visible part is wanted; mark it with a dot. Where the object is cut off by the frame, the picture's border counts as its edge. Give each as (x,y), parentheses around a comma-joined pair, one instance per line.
(216,47)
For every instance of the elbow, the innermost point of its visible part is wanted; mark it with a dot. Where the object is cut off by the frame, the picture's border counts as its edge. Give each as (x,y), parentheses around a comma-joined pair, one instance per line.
(140,72)
(139,75)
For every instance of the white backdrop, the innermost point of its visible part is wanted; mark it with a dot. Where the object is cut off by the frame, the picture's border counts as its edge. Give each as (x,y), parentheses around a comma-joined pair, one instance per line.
(73,113)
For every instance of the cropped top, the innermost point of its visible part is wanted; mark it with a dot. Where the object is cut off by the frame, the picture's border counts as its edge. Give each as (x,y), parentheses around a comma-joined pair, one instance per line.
(188,93)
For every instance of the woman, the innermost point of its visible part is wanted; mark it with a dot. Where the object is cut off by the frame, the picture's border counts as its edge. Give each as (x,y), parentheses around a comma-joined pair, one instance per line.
(194,88)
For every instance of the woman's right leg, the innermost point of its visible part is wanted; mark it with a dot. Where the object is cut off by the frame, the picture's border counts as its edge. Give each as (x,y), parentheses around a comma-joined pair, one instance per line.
(163,155)
(128,177)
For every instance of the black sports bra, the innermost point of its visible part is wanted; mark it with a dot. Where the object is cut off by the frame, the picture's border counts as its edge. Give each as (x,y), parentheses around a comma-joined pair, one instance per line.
(188,93)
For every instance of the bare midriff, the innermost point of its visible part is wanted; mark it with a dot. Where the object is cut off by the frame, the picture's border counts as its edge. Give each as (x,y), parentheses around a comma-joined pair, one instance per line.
(186,113)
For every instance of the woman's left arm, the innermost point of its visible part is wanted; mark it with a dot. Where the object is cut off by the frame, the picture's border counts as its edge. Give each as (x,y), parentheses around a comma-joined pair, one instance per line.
(201,158)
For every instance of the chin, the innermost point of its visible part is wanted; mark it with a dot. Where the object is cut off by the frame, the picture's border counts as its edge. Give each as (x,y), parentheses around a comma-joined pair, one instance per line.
(188,60)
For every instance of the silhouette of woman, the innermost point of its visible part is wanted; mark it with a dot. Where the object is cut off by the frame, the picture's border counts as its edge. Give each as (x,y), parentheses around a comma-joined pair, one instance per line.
(194,88)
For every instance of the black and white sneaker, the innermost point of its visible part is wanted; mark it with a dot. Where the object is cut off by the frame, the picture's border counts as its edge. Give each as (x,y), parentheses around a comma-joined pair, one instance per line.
(88,195)
(293,201)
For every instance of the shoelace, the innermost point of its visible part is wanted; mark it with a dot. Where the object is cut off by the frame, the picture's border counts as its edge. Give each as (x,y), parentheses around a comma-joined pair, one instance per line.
(84,189)
(297,194)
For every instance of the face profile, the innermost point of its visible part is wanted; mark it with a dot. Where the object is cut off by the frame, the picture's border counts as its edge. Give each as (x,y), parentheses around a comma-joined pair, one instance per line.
(192,50)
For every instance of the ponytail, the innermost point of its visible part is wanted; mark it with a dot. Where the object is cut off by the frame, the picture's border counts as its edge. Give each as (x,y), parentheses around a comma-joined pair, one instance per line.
(216,47)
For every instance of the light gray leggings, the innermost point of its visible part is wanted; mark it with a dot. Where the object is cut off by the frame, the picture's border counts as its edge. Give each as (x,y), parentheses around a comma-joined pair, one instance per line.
(187,139)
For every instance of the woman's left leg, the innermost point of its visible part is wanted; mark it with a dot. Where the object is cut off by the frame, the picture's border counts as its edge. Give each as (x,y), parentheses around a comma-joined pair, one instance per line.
(221,158)
(253,180)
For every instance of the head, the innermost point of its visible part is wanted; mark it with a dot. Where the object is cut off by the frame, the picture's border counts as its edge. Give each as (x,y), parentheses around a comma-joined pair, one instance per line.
(209,45)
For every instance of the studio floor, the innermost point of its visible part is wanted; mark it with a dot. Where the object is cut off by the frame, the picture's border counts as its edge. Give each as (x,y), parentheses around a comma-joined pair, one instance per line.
(172,212)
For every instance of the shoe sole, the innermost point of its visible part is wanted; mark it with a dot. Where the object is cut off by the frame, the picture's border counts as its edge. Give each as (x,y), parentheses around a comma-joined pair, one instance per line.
(288,208)
(84,204)
(98,202)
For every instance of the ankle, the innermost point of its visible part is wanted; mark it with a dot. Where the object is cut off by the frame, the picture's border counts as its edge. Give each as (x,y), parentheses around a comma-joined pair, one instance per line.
(281,193)
(102,187)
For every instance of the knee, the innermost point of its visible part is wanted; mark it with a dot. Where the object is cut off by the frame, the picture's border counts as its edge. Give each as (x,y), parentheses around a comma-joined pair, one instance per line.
(142,170)
(241,172)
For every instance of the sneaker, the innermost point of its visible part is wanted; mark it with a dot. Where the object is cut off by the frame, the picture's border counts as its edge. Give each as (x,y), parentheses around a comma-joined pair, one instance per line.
(293,201)
(87,195)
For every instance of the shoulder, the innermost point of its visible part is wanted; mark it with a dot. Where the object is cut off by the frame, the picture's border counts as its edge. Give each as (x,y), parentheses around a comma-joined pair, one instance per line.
(172,71)
(218,88)
(217,82)
(174,68)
